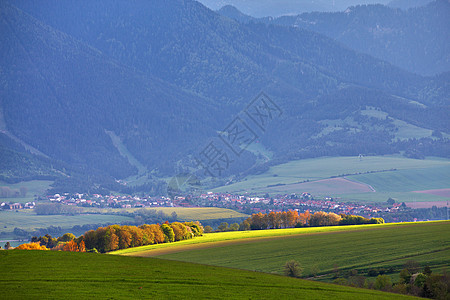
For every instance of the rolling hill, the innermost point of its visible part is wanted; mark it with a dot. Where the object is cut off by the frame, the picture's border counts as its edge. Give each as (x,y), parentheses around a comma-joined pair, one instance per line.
(70,275)
(347,247)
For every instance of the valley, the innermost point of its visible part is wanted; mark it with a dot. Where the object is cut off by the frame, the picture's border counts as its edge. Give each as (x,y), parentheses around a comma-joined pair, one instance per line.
(228,149)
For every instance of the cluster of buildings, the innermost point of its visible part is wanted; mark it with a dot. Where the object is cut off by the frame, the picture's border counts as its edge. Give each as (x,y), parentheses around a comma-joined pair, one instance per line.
(15,206)
(246,203)
(303,202)
(112,201)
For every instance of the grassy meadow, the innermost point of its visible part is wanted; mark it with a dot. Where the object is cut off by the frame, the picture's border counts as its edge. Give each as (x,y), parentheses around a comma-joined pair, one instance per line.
(28,220)
(72,275)
(183,213)
(216,238)
(386,174)
(34,187)
(322,248)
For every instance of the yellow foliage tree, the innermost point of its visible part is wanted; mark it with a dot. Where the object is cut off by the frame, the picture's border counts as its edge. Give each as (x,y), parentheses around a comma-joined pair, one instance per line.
(31,246)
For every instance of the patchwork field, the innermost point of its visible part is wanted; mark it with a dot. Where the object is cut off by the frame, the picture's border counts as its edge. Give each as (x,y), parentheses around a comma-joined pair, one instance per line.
(358,178)
(323,249)
(183,213)
(325,187)
(439,192)
(34,187)
(71,275)
(28,220)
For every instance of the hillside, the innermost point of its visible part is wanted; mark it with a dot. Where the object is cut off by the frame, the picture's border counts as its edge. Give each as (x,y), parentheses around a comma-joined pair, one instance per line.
(407,4)
(134,91)
(347,247)
(84,275)
(275,8)
(414,39)
(366,179)
(62,95)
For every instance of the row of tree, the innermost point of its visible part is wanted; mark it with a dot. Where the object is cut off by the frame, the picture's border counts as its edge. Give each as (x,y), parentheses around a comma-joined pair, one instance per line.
(291,218)
(115,237)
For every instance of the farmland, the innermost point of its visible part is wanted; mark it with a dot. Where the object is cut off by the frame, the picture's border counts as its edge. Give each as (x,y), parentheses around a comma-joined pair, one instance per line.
(33,187)
(28,220)
(183,213)
(357,178)
(212,239)
(68,275)
(347,247)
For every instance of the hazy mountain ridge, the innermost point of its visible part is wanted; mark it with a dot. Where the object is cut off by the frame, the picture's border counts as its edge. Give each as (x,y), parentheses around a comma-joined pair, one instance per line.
(132,68)
(275,8)
(415,39)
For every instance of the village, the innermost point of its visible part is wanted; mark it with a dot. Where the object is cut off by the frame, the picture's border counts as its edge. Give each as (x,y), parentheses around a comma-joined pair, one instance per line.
(245,203)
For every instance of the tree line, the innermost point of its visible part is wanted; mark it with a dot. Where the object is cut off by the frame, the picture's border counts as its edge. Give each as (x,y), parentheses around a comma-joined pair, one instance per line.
(115,237)
(291,219)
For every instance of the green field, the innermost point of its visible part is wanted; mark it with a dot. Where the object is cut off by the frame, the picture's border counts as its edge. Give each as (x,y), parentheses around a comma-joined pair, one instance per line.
(28,220)
(211,239)
(347,247)
(376,171)
(183,213)
(34,187)
(66,275)
(407,180)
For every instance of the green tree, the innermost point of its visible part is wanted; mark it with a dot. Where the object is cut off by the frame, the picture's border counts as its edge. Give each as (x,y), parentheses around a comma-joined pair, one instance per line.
(234,227)
(427,270)
(383,283)
(169,235)
(208,229)
(245,225)
(292,269)
(405,276)
(66,237)
(223,226)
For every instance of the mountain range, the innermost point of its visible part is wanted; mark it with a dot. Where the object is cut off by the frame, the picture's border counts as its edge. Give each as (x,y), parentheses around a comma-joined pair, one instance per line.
(416,40)
(276,8)
(95,93)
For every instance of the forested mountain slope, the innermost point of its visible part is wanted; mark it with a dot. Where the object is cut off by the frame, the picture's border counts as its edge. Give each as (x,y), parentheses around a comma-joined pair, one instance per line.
(96,86)
(416,39)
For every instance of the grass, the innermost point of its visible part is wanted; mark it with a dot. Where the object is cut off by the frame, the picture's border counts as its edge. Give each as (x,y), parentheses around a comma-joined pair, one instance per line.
(183,213)
(383,197)
(217,237)
(28,220)
(66,275)
(407,180)
(34,187)
(326,167)
(347,247)
(375,171)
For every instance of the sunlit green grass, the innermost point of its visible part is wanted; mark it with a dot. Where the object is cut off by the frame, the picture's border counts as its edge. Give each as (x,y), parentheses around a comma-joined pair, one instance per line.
(65,275)
(210,238)
(377,245)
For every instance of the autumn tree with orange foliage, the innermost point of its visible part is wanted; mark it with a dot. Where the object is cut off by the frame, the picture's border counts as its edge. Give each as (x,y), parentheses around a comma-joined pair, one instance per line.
(291,218)
(71,246)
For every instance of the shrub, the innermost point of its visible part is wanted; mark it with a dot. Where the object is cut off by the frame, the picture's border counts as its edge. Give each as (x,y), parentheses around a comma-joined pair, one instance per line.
(383,283)
(292,269)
